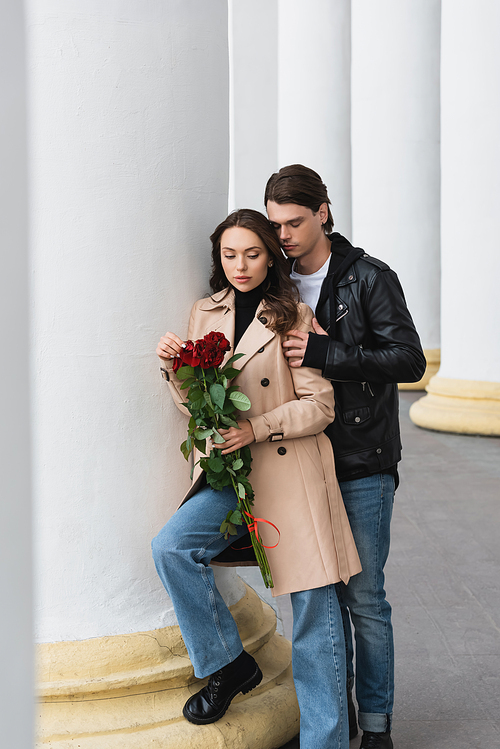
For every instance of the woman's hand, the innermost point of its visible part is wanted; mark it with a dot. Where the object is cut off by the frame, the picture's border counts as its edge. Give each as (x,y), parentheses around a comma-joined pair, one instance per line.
(236,438)
(170,346)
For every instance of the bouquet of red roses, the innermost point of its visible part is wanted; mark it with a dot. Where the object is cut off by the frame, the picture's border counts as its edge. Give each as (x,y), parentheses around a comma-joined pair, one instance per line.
(213,402)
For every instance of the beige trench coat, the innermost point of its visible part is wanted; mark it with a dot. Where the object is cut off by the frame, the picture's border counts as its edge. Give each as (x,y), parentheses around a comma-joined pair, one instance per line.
(293,479)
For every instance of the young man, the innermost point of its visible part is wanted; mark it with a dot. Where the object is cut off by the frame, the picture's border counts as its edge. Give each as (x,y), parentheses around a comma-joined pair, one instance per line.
(365,343)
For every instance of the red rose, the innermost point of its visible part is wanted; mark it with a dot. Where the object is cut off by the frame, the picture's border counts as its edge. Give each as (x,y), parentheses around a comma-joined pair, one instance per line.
(211,349)
(210,356)
(217,339)
(188,357)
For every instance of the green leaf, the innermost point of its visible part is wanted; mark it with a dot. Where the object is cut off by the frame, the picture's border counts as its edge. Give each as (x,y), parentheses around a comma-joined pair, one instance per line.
(236,517)
(241,490)
(191,423)
(184,372)
(229,407)
(237,464)
(197,405)
(187,383)
(208,399)
(195,394)
(233,359)
(203,434)
(200,446)
(231,372)
(218,438)
(240,400)
(185,450)
(216,464)
(224,382)
(228,421)
(218,394)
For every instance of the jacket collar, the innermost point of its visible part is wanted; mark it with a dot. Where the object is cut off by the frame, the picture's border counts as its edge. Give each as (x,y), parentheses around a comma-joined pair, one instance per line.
(338,241)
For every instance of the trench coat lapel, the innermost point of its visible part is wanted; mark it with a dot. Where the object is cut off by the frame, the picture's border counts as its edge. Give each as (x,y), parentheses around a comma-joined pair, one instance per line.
(255,337)
(222,307)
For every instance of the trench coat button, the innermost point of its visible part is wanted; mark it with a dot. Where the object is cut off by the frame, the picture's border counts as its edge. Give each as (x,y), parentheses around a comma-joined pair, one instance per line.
(281,450)
(263,320)
(261,350)
(341,306)
(264,382)
(379,450)
(357,419)
(164,374)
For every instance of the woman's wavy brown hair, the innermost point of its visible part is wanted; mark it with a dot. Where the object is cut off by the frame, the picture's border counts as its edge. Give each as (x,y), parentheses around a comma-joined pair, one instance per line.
(280,293)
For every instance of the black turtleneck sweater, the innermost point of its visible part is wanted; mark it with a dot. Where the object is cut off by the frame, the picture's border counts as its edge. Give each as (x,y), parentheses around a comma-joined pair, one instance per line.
(246,303)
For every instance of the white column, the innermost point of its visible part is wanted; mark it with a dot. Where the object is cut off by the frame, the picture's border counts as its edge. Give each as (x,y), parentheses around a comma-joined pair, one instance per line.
(130,163)
(395,150)
(465,396)
(314,105)
(253,36)
(16,687)
(129,137)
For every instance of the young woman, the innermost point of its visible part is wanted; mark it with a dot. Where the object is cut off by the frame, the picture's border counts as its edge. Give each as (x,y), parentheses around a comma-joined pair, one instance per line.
(293,476)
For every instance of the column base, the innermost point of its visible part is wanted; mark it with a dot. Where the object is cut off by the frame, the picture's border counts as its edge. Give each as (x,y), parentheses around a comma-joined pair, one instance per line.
(463,406)
(127,691)
(433,357)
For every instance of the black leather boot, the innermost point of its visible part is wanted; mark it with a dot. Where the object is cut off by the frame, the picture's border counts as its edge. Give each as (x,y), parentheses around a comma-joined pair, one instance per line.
(351,710)
(376,740)
(211,702)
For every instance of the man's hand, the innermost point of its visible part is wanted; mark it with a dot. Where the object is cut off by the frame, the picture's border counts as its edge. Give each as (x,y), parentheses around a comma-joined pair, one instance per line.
(317,327)
(296,349)
(235,438)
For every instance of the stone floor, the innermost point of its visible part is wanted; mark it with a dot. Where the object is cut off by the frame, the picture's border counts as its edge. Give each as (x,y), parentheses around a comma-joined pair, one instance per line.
(443,581)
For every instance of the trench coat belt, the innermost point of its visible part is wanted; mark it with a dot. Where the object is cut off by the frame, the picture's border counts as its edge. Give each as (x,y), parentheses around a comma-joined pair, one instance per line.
(276,430)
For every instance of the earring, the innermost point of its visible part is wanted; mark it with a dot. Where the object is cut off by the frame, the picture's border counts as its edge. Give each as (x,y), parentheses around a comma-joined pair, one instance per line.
(271,263)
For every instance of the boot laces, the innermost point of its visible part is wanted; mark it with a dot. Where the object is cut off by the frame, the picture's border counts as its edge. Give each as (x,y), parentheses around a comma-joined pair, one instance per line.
(214,683)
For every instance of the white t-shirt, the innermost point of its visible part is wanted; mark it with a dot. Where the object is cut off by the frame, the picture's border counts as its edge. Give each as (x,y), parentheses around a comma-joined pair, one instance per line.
(310,286)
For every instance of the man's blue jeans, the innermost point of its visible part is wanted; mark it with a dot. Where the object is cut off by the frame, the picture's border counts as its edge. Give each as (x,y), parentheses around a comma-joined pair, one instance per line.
(182,552)
(368,502)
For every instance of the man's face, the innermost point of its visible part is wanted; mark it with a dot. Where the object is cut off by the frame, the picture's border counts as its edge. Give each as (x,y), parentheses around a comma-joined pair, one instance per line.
(299,230)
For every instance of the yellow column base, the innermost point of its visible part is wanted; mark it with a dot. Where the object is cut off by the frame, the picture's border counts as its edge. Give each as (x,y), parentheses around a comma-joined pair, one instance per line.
(128,691)
(463,406)
(433,356)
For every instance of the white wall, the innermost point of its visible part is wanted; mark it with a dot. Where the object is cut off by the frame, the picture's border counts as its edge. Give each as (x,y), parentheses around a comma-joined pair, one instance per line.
(314,90)
(129,139)
(16,686)
(470,159)
(395,146)
(253,34)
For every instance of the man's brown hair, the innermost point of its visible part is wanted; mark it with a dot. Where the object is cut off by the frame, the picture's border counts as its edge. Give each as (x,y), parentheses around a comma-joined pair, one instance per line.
(300,185)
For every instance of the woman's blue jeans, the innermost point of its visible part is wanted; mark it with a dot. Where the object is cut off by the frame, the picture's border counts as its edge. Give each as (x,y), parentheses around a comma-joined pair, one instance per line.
(182,552)
(368,502)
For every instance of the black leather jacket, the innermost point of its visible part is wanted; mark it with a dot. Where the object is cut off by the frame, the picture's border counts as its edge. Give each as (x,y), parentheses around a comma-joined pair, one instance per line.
(375,346)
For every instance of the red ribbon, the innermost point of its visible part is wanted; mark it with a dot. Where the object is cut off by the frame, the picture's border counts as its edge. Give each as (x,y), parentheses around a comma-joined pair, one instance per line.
(253,528)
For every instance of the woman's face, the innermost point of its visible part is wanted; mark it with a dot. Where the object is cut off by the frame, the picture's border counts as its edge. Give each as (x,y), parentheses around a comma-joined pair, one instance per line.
(245,259)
